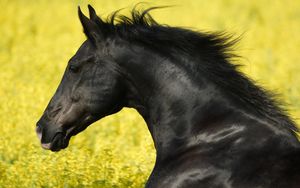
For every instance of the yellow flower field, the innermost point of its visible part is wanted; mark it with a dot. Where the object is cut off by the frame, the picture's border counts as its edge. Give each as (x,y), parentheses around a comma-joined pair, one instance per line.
(37,37)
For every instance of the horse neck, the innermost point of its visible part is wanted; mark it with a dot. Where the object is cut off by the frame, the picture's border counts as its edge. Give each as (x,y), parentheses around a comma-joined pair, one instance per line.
(172,102)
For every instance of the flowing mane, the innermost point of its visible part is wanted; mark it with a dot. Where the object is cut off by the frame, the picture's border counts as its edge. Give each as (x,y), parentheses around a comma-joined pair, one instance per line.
(213,51)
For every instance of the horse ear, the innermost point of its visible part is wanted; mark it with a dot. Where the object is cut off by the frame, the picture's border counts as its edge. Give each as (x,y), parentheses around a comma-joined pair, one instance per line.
(90,28)
(93,15)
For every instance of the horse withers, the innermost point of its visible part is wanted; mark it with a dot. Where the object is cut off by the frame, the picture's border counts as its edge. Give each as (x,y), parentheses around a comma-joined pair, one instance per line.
(211,125)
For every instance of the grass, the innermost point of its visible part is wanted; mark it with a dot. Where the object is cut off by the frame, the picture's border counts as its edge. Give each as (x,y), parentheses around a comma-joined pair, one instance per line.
(37,39)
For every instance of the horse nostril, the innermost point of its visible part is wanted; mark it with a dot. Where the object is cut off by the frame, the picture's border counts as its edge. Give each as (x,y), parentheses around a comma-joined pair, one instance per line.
(38,131)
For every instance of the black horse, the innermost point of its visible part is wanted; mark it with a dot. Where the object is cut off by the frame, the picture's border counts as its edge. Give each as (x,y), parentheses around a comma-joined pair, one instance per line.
(211,125)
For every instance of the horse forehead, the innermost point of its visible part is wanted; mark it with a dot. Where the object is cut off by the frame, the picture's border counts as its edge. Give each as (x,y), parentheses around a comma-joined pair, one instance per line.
(85,49)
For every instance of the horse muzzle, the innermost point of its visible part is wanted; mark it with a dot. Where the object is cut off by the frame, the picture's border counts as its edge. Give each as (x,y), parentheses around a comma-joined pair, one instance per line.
(52,140)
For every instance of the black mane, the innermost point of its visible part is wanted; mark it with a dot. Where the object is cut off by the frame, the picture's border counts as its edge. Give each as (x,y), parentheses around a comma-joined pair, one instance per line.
(214,51)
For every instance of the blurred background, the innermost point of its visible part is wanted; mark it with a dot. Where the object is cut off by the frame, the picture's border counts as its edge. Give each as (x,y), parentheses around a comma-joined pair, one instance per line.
(37,38)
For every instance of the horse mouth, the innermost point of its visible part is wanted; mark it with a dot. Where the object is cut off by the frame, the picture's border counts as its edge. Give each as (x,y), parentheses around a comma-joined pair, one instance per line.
(59,141)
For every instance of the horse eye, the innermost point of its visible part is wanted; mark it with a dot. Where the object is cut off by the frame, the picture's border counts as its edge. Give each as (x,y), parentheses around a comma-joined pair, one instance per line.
(73,68)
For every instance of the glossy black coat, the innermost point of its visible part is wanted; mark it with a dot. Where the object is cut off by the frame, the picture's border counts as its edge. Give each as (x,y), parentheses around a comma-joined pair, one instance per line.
(212,126)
